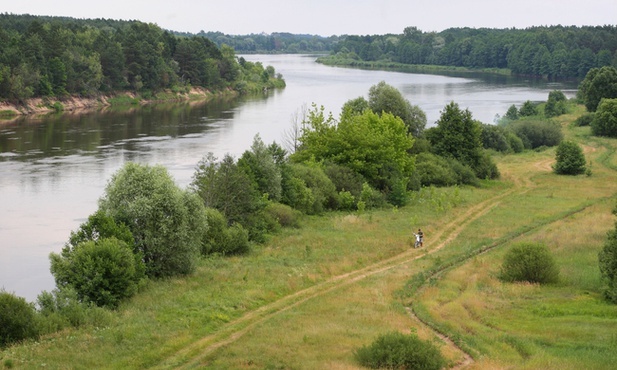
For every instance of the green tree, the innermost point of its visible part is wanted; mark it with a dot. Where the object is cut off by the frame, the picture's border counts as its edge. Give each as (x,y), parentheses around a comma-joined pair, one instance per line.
(556,104)
(604,122)
(18,319)
(104,272)
(607,259)
(570,159)
(226,187)
(457,135)
(99,226)
(599,83)
(373,146)
(259,164)
(528,109)
(158,214)
(386,98)
(512,113)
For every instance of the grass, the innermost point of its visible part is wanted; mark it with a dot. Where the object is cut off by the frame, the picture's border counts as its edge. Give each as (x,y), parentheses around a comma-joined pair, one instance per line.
(309,297)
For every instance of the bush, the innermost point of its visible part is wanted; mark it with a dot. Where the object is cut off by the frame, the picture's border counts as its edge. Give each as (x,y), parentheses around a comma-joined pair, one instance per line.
(103,272)
(322,189)
(485,168)
(570,159)
(608,264)
(536,133)
(284,215)
(434,170)
(62,308)
(18,319)
(219,238)
(99,226)
(398,351)
(529,262)
(604,121)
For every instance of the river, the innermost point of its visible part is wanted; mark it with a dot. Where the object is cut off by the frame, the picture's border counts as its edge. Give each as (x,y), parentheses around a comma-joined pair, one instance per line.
(53,169)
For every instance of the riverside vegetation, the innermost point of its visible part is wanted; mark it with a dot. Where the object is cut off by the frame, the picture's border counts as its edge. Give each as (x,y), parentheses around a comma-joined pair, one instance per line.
(312,295)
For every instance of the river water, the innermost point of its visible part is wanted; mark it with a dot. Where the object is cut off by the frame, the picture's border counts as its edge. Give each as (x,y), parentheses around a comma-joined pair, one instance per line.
(54,169)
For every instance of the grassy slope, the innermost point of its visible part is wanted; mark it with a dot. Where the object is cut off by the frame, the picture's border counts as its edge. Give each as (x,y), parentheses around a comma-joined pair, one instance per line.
(309,297)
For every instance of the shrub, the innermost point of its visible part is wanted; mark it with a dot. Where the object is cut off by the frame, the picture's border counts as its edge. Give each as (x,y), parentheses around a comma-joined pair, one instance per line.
(535,133)
(344,178)
(398,351)
(219,238)
(62,308)
(284,215)
(529,262)
(556,104)
(18,319)
(103,272)
(604,122)
(485,168)
(608,264)
(570,159)
(434,170)
(322,189)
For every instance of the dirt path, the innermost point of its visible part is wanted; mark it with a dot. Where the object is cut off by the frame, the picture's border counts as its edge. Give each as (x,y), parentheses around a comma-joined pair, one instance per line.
(191,355)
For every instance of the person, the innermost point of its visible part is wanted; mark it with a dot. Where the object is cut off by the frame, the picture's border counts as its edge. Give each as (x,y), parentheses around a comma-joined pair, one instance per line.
(419,238)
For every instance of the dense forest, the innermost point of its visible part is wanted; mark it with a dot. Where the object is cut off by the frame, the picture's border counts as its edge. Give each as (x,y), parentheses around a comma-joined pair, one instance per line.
(551,52)
(58,56)
(277,42)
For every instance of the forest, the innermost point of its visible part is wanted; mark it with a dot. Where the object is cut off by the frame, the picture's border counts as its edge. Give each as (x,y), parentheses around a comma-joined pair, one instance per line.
(57,57)
(554,52)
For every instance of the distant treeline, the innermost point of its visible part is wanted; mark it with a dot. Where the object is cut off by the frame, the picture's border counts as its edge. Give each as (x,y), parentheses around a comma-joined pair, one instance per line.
(58,56)
(278,42)
(551,52)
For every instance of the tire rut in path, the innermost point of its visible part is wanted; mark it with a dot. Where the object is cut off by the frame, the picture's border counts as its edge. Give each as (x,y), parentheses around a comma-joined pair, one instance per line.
(191,355)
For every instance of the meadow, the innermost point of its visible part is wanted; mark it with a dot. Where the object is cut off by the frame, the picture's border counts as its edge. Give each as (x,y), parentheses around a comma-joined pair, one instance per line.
(310,296)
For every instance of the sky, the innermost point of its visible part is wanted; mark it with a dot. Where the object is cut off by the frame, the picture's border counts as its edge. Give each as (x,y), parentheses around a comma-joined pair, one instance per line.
(329,17)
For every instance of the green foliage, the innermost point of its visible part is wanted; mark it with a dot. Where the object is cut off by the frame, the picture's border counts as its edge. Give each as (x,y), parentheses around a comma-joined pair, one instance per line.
(434,170)
(496,138)
(259,164)
(570,159)
(44,56)
(63,308)
(99,226)
(344,178)
(227,188)
(607,259)
(104,272)
(512,113)
(18,319)
(283,214)
(536,133)
(395,350)
(222,239)
(356,106)
(371,198)
(598,84)
(528,109)
(318,194)
(386,98)
(530,262)
(551,52)
(158,214)
(373,146)
(556,104)
(457,135)
(604,121)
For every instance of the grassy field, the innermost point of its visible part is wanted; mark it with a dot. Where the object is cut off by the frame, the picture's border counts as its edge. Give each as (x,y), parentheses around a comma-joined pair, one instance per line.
(311,296)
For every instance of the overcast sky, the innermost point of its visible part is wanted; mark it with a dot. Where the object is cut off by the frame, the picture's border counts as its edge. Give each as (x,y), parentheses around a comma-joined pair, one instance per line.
(329,17)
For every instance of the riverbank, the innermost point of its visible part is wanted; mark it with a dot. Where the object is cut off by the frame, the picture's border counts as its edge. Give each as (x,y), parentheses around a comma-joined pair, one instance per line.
(334,61)
(46,105)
